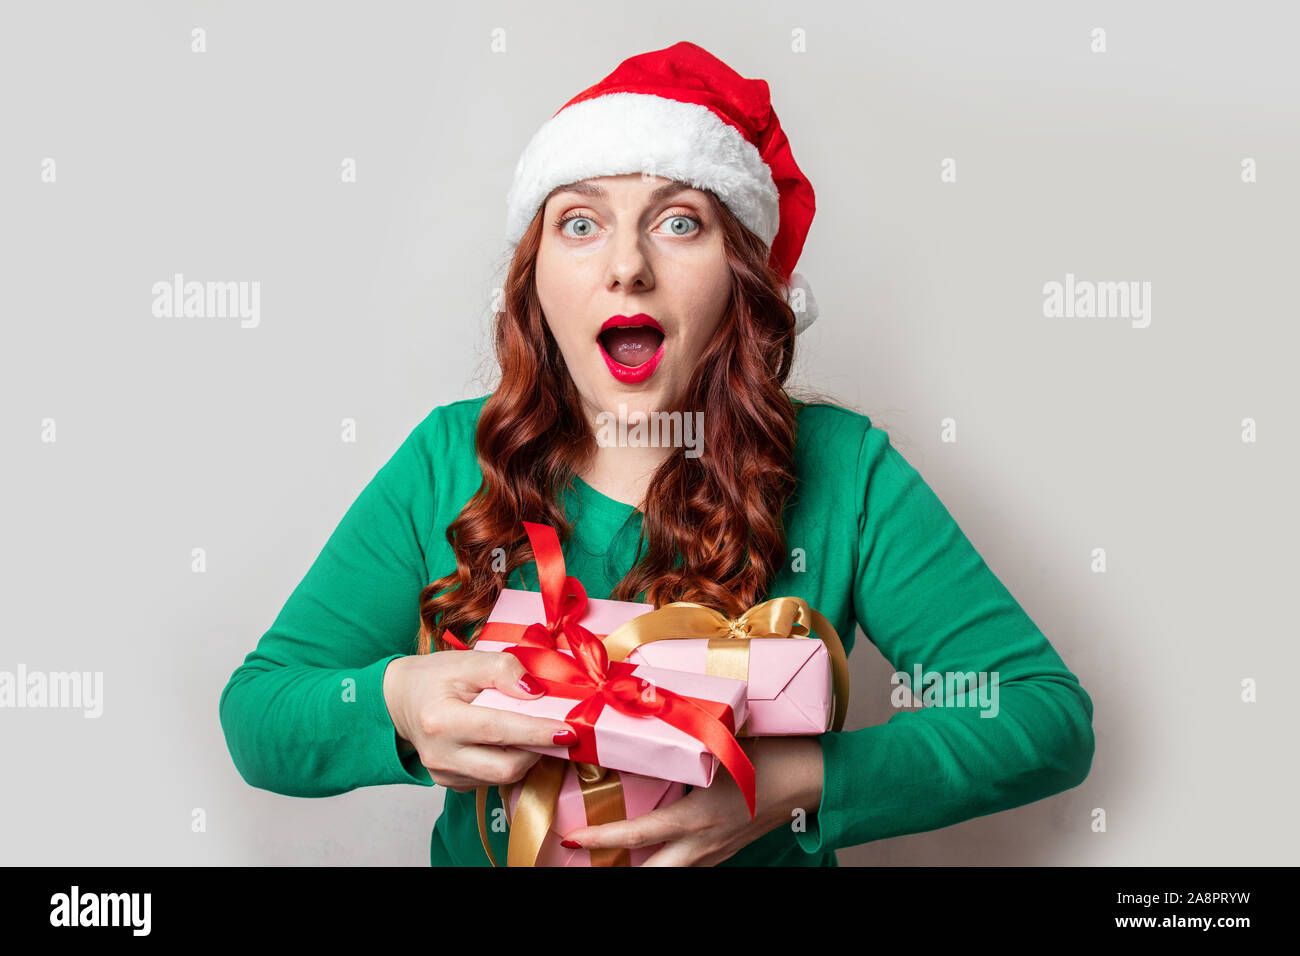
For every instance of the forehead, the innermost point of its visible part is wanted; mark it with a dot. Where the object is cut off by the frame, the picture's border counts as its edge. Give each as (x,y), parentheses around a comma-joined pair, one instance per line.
(596,188)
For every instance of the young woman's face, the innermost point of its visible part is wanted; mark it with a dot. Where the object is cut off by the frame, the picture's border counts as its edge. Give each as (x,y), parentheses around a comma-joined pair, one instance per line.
(632,247)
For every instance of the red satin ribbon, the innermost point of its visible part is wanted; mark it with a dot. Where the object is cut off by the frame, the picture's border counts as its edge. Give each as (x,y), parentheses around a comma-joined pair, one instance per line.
(595,682)
(564,599)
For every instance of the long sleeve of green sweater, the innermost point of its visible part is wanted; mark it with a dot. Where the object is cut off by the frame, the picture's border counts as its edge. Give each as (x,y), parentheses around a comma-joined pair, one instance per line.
(304,715)
(927,599)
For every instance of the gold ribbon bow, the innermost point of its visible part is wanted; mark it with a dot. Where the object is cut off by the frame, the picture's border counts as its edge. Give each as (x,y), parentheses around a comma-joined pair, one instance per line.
(602,795)
(728,650)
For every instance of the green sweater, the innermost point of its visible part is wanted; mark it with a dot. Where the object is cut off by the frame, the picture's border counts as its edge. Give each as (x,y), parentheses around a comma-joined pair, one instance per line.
(304,715)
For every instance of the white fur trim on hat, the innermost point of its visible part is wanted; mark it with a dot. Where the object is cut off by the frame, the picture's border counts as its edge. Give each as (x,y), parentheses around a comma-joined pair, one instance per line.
(622,133)
(805,314)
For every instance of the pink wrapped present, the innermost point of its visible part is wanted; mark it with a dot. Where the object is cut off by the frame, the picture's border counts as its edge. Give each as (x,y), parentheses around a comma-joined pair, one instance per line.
(789,680)
(669,725)
(640,796)
(515,611)
(672,725)
(636,744)
(788,654)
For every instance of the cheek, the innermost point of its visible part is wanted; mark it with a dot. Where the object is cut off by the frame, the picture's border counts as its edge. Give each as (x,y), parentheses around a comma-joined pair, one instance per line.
(714,291)
(553,293)
(544,274)
(697,275)
(713,280)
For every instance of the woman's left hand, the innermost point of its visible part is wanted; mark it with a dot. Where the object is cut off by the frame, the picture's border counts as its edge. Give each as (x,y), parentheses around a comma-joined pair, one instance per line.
(712,823)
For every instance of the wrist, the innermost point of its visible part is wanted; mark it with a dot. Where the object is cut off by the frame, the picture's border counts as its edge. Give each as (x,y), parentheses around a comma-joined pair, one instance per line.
(392,690)
(805,773)
(791,774)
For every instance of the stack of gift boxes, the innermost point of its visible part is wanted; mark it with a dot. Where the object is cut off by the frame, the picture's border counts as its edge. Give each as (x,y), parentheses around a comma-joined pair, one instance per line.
(658,698)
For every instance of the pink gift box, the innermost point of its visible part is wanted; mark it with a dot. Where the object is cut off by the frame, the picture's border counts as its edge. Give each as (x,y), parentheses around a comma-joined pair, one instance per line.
(640,796)
(789,688)
(639,745)
(601,617)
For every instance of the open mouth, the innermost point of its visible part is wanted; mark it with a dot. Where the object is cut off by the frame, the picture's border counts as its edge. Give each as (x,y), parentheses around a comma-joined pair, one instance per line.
(631,346)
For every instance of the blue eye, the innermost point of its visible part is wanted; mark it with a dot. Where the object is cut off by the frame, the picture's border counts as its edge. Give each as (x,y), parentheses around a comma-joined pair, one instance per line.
(682,219)
(560,224)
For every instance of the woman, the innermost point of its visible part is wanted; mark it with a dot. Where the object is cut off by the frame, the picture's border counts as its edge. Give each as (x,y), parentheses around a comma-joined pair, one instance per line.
(657,220)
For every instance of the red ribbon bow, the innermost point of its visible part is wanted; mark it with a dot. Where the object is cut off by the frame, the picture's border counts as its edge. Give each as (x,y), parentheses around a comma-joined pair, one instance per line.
(594,681)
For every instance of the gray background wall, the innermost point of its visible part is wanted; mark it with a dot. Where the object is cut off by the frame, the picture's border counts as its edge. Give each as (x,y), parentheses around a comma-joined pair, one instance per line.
(1073,434)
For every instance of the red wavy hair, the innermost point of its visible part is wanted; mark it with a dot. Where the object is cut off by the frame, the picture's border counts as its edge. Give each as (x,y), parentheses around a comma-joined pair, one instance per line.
(720,513)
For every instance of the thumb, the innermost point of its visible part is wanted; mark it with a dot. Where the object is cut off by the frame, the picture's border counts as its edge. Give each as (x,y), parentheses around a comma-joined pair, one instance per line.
(506,673)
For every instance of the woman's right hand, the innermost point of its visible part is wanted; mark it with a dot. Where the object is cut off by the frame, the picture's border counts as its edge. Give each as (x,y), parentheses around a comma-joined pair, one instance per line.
(463,747)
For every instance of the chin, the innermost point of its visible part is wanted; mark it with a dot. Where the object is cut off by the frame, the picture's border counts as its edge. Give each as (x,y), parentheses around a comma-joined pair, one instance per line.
(633,399)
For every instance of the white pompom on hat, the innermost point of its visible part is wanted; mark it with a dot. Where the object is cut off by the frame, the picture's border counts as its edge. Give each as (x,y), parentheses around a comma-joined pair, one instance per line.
(682,114)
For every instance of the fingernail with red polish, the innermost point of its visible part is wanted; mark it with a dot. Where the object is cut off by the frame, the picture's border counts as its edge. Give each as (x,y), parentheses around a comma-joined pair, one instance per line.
(529,685)
(565,738)
(571,845)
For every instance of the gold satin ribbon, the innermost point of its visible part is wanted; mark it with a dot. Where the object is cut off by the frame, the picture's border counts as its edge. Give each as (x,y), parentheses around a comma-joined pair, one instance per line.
(728,649)
(602,796)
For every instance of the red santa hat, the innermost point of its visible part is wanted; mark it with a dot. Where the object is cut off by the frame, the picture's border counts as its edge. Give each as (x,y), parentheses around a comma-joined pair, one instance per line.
(683,114)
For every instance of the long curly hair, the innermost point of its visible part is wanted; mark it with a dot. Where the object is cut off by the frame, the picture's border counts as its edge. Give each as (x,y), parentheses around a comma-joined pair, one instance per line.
(713,524)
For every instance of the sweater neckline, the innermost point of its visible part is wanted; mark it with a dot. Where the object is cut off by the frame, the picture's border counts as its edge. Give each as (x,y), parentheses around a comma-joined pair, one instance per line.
(592,500)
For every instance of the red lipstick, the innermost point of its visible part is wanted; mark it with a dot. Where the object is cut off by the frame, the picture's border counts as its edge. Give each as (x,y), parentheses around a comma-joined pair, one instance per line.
(623,321)
(631,374)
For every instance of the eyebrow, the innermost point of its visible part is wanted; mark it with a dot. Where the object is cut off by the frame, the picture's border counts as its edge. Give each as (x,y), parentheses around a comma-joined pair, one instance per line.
(598,192)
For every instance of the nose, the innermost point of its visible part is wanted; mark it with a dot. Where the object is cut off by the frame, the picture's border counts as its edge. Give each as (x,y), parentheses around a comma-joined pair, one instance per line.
(628,269)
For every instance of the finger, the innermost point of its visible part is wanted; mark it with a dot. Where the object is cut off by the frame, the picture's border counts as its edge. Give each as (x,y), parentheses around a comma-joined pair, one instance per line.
(645,830)
(453,781)
(504,728)
(672,853)
(494,766)
(480,669)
